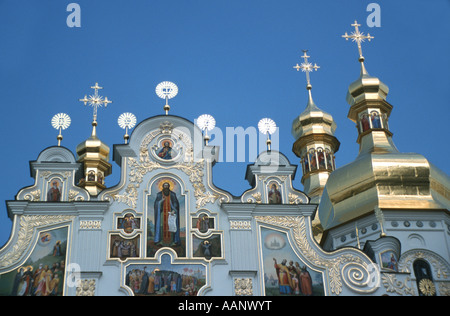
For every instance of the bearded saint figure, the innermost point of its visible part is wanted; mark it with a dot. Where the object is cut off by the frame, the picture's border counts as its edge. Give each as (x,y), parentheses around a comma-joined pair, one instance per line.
(167,217)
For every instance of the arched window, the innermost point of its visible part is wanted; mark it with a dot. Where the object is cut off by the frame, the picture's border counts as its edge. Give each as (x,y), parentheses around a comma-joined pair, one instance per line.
(329,156)
(312,159)
(321,158)
(375,119)
(424,278)
(365,123)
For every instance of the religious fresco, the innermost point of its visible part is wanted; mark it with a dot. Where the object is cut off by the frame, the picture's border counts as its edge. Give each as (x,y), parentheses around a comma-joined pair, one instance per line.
(274,193)
(54,192)
(203,223)
(208,248)
(389,260)
(284,272)
(129,223)
(166,278)
(43,272)
(123,248)
(166,217)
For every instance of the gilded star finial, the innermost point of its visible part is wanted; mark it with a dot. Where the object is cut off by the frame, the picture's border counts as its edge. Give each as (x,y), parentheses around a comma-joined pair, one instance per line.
(307,67)
(95,100)
(359,38)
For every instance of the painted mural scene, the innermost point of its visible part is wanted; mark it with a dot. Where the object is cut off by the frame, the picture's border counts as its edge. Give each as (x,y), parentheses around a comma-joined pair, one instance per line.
(43,273)
(166,279)
(284,273)
(221,148)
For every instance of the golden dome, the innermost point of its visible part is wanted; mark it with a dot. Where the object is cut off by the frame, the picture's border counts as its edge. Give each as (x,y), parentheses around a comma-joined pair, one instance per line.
(381,176)
(313,121)
(94,154)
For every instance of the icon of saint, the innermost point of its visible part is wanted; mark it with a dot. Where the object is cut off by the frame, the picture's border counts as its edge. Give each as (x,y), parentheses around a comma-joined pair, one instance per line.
(274,195)
(166,152)
(54,194)
(167,217)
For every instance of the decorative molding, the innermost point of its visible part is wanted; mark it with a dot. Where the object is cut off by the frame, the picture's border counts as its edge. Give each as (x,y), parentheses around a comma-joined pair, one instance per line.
(392,285)
(294,199)
(90,225)
(444,288)
(34,196)
(86,288)
(440,265)
(27,226)
(243,287)
(240,225)
(75,196)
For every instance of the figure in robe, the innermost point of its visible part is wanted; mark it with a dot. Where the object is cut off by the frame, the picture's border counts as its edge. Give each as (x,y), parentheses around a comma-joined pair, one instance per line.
(365,123)
(57,249)
(321,158)
(274,195)
(165,152)
(376,123)
(54,195)
(284,277)
(144,286)
(167,208)
(305,282)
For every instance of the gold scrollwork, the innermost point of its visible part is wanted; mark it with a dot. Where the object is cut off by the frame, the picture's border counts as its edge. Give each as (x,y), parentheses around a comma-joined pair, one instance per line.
(392,285)
(139,168)
(27,225)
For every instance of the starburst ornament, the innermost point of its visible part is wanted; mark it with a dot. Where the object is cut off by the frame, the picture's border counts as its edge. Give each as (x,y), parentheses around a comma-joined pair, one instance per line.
(166,90)
(269,127)
(307,67)
(61,122)
(127,121)
(359,38)
(96,100)
(206,123)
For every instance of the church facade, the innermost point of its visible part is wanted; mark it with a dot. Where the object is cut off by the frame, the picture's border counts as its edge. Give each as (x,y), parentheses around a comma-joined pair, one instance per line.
(166,230)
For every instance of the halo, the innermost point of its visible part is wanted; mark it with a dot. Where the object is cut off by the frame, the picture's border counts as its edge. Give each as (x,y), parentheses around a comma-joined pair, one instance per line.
(167,90)
(206,122)
(127,120)
(61,120)
(267,126)
(163,141)
(161,182)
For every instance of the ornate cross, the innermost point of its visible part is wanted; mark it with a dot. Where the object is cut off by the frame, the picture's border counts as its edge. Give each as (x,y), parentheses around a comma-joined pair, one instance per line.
(359,38)
(96,100)
(307,67)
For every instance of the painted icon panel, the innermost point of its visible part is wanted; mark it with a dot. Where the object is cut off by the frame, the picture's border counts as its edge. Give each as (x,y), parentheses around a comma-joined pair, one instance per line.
(166,217)
(166,278)
(285,274)
(43,272)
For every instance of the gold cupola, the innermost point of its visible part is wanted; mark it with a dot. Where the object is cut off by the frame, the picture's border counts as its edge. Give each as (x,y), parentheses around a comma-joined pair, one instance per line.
(315,143)
(381,177)
(93,153)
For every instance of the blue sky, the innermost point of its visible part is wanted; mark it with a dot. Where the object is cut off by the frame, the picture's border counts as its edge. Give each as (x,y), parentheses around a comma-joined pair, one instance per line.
(231,59)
